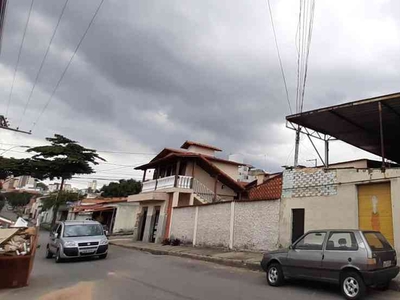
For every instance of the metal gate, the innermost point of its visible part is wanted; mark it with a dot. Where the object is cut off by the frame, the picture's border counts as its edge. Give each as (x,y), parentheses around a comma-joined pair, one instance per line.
(375,209)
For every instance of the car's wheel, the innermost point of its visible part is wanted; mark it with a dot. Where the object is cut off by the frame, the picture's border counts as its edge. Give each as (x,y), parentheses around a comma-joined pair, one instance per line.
(58,257)
(352,285)
(275,275)
(48,252)
(103,256)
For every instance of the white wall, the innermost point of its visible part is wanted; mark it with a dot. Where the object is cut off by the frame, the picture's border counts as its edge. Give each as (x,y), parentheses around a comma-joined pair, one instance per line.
(213,227)
(256,225)
(183,224)
(230,169)
(201,150)
(222,190)
(252,225)
(125,217)
(334,202)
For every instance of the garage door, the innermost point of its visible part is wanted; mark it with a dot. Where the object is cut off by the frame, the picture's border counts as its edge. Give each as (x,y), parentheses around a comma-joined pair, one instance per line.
(375,209)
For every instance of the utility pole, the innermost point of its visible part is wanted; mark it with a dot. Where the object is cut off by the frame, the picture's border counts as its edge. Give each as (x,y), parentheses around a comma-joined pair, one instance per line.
(4,124)
(296,149)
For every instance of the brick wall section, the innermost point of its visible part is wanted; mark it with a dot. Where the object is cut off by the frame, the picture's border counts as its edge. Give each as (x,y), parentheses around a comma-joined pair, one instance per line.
(269,190)
(309,182)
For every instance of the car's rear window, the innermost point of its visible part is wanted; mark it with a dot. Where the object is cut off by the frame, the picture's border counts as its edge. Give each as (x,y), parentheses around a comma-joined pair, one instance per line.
(83,230)
(377,241)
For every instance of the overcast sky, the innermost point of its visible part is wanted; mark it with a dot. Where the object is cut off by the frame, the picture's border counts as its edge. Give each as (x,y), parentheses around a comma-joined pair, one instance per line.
(152,74)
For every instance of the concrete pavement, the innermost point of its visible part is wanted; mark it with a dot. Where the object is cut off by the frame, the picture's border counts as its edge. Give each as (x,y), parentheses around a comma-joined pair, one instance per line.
(247,260)
(131,274)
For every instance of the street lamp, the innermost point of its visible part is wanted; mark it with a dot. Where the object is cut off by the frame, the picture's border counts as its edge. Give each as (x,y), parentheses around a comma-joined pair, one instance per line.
(6,150)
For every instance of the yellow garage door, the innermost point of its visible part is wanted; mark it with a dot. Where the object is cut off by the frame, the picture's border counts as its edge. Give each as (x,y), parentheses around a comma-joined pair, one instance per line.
(375,209)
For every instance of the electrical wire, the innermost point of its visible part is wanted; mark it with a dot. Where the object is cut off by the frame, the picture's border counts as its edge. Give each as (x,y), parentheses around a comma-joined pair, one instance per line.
(42,63)
(304,36)
(19,57)
(311,25)
(279,56)
(126,152)
(68,65)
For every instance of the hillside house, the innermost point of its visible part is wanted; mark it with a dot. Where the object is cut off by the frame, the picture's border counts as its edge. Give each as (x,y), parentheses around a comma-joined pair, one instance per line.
(191,175)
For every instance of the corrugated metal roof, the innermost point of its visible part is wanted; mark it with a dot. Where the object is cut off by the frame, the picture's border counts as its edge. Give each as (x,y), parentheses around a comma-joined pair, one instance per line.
(357,123)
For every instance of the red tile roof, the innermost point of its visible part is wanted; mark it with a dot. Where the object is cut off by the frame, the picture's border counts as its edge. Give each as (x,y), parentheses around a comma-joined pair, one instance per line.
(268,190)
(104,200)
(167,151)
(187,144)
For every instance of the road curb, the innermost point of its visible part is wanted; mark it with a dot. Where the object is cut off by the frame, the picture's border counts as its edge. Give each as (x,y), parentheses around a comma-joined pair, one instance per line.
(254,266)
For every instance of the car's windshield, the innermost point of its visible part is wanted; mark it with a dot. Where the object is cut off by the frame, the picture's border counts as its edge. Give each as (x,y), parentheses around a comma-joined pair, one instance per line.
(83,230)
(377,241)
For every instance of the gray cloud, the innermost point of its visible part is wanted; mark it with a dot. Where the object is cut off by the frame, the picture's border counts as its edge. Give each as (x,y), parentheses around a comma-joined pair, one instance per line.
(152,74)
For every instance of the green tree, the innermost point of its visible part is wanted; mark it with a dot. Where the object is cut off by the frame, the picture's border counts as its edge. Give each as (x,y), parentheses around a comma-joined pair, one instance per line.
(58,199)
(62,159)
(123,188)
(16,199)
(16,167)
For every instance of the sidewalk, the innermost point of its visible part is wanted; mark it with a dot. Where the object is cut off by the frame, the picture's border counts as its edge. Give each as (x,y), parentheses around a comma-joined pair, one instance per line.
(247,260)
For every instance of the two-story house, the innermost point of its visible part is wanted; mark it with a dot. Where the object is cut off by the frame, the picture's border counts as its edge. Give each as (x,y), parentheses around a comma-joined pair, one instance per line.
(191,175)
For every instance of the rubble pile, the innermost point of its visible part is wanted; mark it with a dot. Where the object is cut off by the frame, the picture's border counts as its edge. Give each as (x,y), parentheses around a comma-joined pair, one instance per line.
(17,243)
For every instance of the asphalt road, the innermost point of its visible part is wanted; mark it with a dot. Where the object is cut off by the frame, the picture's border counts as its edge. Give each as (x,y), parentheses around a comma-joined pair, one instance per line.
(129,274)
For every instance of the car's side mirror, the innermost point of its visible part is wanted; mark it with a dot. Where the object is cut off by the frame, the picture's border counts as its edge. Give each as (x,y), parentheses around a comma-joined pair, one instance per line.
(55,235)
(105,232)
(291,247)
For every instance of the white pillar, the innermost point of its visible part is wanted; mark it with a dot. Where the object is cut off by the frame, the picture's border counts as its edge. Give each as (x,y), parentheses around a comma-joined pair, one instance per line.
(191,201)
(175,199)
(196,217)
(232,223)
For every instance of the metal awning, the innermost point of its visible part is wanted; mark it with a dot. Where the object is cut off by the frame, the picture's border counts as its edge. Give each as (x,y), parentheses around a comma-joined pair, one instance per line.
(359,124)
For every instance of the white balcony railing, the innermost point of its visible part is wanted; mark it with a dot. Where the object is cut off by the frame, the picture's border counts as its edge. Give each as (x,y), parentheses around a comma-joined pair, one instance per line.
(149,186)
(184,182)
(166,182)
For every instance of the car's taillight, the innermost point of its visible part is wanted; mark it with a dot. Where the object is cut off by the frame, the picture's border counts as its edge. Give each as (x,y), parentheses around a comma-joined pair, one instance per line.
(371,261)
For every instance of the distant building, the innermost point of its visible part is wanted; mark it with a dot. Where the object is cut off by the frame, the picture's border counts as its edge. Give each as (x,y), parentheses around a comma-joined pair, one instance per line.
(25,182)
(92,185)
(246,173)
(53,187)
(67,187)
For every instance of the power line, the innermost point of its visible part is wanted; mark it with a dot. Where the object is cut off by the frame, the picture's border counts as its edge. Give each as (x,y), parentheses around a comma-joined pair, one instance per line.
(68,64)
(279,57)
(126,152)
(100,151)
(42,63)
(310,29)
(19,57)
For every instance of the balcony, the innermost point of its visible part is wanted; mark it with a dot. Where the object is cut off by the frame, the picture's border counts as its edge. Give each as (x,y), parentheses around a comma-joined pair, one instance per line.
(183,182)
